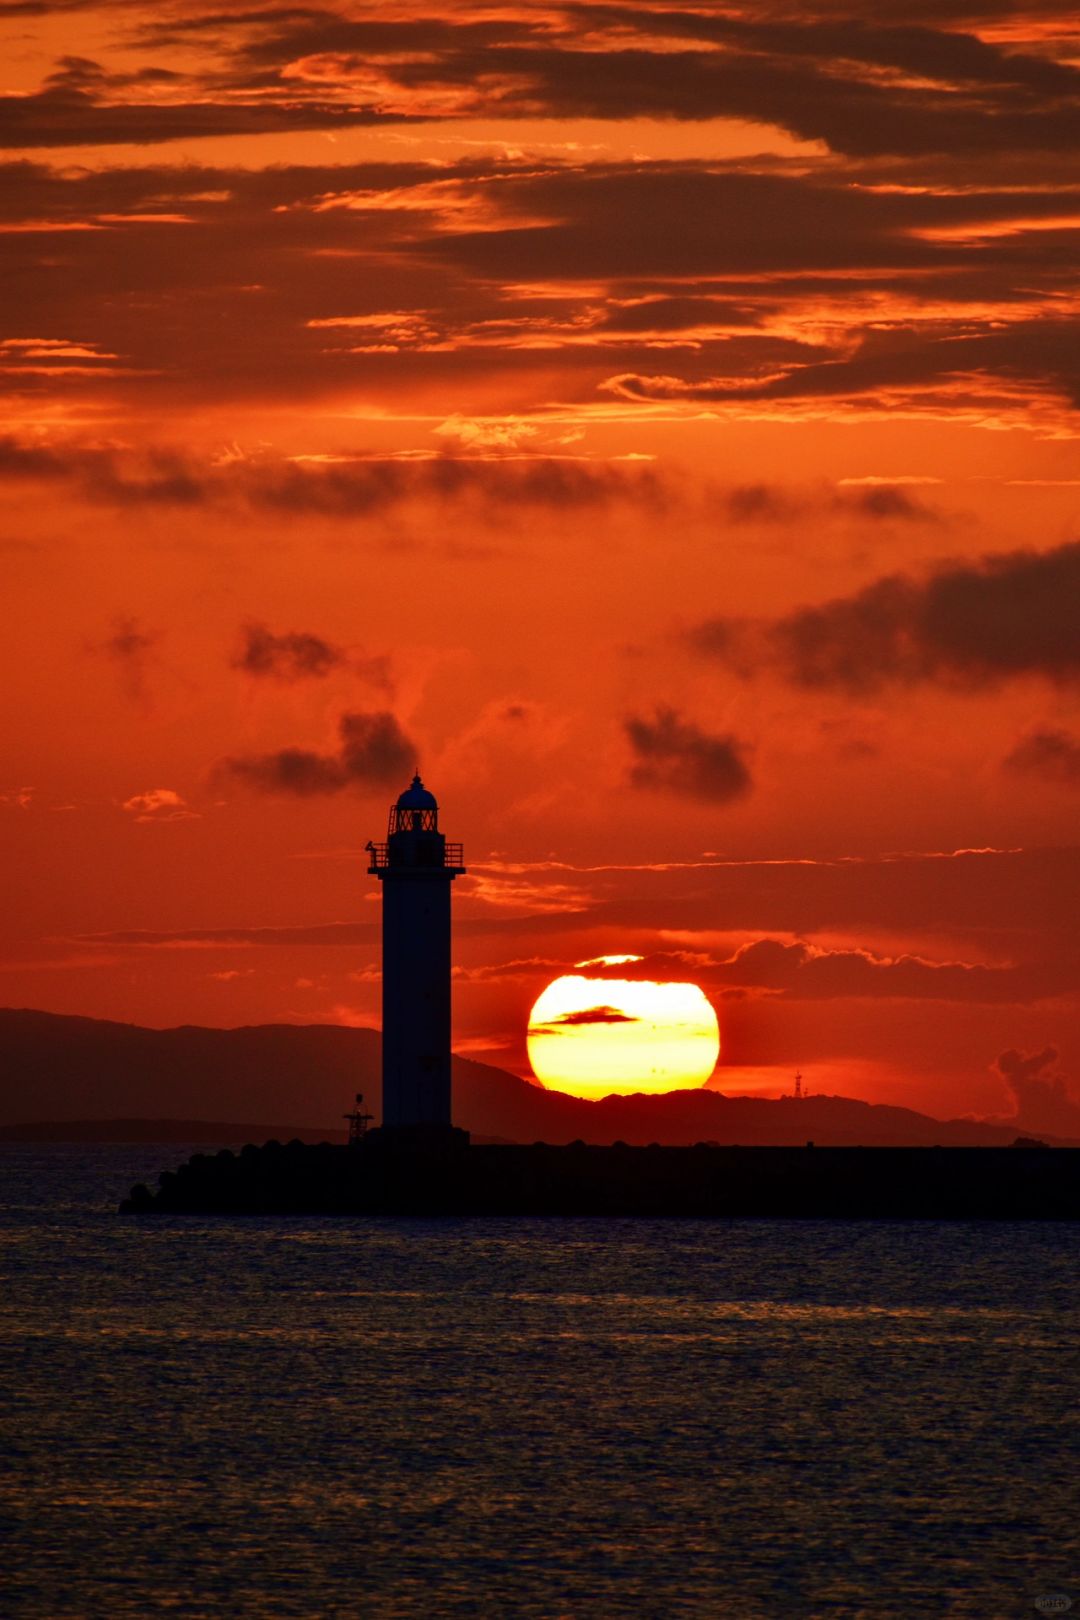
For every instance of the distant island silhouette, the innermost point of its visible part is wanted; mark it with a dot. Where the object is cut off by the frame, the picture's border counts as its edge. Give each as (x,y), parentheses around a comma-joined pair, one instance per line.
(193,1084)
(533,1152)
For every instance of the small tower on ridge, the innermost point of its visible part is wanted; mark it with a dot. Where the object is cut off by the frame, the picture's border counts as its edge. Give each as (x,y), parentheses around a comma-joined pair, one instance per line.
(416,867)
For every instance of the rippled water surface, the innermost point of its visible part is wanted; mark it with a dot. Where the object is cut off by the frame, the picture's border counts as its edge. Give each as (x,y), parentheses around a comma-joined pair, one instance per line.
(526,1418)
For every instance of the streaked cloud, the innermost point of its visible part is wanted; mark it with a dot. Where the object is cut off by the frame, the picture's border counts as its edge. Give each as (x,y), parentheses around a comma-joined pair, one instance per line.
(159,804)
(585,1016)
(800,970)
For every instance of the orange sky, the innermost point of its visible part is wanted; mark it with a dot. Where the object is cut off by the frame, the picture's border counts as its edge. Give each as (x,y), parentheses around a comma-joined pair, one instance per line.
(659,422)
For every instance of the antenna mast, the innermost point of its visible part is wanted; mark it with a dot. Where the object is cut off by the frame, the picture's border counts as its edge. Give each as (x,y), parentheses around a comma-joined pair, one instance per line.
(358,1121)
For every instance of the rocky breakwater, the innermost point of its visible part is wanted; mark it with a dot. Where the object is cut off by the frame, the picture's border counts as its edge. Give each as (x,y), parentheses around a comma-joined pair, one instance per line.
(417,1173)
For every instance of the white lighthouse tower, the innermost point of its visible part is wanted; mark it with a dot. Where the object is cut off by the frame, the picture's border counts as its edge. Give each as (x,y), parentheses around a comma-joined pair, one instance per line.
(416,867)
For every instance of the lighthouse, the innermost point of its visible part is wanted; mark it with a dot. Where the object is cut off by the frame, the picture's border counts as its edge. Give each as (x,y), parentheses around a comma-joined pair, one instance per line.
(416,867)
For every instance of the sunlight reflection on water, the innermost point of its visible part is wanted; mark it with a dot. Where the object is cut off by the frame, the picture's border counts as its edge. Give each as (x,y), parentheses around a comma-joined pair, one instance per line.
(536,1418)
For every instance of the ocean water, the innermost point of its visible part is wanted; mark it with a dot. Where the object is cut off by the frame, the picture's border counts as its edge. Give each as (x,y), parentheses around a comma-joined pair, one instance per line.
(581,1418)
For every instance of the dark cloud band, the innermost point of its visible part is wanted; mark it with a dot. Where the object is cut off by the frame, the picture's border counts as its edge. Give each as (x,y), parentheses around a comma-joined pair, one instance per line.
(972,623)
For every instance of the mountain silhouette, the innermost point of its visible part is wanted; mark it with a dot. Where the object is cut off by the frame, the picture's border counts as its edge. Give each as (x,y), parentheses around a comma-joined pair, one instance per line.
(89,1073)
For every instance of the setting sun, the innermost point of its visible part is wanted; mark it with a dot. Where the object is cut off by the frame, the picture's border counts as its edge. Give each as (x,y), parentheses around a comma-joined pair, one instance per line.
(591,1037)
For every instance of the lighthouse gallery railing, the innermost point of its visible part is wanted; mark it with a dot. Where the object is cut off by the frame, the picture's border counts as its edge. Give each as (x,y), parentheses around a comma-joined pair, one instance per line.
(452,855)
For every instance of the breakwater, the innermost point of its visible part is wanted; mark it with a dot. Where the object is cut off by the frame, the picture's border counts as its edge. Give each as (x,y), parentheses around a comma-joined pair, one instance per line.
(381,1176)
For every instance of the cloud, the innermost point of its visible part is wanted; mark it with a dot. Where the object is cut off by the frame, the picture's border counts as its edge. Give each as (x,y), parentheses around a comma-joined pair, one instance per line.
(968,623)
(294,655)
(1022,899)
(761,503)
(807,971)
(523,895)
(76,107)
(1041,1095)
(584,1017)
(801,971)
(340,935)
(981,366)
(155,477)
(346,490)
(159,804)
(373,750)
(33,460)
(886,502)
(861,87)
(674,756)
(774,503)
(342,487)
(905,81)
(867,290)
(526,968)
(609,961)
(129,647)
(353,1017)
(483,434)
(128,641)
(290,771)
(1053,755)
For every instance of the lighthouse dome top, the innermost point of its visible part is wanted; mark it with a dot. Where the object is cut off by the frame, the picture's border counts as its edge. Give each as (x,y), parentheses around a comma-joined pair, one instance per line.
(416,797)
(414,843)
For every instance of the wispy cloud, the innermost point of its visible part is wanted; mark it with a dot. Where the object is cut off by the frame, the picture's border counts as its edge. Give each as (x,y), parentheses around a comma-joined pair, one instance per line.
(130,648)
(159,805)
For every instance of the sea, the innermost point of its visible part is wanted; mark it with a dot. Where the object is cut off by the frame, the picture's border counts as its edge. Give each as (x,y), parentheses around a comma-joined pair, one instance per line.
(595,1419)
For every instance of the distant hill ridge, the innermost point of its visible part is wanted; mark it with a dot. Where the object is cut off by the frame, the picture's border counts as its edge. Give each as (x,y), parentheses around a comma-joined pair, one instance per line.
(58,1069)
